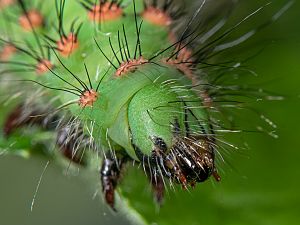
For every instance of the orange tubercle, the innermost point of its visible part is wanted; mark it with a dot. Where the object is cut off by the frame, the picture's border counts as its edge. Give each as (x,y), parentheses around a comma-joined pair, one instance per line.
(67,45)
(182,62)
(185,54)
(130,66)
(105,12)
(4,3)
(88,98)
(156,16)
(7,51)
(184,68)
(43,67)
(33,19)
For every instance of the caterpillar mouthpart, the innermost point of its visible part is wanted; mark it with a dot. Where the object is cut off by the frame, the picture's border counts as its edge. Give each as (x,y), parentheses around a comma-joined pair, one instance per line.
(190,160)
(194,157)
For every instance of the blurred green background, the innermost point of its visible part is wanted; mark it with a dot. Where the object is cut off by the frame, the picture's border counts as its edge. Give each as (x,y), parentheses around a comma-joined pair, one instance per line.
(263,189)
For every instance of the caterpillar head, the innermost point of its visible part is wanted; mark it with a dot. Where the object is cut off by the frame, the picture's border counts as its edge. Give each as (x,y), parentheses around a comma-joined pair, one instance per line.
(190,160)
(195,157)
(170,136)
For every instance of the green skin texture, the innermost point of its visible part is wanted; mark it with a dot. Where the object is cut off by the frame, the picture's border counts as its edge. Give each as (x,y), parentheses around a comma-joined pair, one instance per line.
(132,108)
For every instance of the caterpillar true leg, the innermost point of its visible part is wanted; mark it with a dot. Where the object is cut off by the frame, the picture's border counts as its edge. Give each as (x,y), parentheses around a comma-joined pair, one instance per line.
(22,115)
(69,141)
(158,186)
(110,176)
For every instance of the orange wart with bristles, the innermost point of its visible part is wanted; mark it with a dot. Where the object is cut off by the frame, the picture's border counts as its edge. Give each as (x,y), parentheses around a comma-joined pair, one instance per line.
(106,11)
(31,19)
(67,45)
(130,66)
(88,98)
(7,52)
(156,16)
(43,66)
(182,61)
(4,3)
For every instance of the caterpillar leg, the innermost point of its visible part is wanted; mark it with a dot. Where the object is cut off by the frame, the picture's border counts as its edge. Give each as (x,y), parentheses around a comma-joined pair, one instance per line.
(110,176)
(158,186)
(69,141)
(12,121)
(21,116)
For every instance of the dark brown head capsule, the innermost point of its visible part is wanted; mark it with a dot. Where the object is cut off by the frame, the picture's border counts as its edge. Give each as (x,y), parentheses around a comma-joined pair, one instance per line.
(191,160)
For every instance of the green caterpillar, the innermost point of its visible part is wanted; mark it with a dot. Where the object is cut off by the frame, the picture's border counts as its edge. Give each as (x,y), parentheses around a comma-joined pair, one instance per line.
(129,79)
